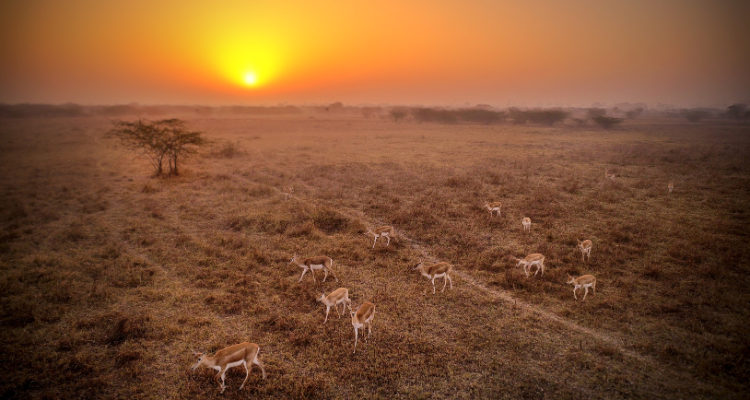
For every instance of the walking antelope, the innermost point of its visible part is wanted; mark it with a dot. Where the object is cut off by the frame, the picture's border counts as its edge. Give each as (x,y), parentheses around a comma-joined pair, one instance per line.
(313,263)
(381,231)
(340,295)
(670,186)
(585,248)
(532,259)
(494,206)
(585,281)
(608,175)
(233,356)
(362,316)
(526,222)
(439,270)
(288,191)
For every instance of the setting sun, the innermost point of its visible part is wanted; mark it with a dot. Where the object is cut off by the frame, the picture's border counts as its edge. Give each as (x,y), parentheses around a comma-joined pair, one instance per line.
(250,79)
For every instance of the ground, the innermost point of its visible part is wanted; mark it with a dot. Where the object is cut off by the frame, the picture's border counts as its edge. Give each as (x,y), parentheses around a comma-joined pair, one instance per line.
(110,277)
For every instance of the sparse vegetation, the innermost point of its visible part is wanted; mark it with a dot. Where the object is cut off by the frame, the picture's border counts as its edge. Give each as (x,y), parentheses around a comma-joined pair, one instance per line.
(110,280)
(157,141)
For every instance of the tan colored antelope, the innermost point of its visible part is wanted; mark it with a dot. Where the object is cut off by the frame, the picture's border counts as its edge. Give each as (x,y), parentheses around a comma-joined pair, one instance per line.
(362,316)
(494,206)
(439,270)
(585,281)
(670,186)
(381,231)
(532,259)
(313,263)
(288,191)
(233,356)
(526,222)
(338,296)
(585,248)
(609,176)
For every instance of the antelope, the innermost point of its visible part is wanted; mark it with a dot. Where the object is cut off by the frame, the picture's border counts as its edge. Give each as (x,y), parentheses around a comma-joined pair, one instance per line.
(532,259)
(362,316)
(526,222)
(609,176)
(439,270)
(584,281)
(288,191)
(670,186)
(381,231)
(494,206)
(585,248)
(313,263)
(340,295)
(233,356)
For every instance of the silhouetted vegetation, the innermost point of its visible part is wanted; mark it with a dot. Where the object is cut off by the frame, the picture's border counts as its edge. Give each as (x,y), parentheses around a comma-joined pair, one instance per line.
(596,112)
(434,115)
(607,122)
(159,140)
(398,113)
(634,113)
(737,111)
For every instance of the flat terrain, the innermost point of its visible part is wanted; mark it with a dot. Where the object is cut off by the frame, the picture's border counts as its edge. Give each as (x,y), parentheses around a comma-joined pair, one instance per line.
(110,278)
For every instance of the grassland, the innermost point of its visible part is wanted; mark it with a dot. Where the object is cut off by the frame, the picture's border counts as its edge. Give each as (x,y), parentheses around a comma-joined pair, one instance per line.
(109,278)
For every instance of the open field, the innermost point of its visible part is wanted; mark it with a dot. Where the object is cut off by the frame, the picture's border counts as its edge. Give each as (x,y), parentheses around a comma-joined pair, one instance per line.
(109,278)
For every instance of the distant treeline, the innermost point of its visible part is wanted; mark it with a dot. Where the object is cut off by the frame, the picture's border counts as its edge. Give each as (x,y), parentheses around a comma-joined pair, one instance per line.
(480,114)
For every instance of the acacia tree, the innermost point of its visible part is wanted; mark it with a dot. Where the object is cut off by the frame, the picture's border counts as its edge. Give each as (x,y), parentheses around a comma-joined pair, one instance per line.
(166,139)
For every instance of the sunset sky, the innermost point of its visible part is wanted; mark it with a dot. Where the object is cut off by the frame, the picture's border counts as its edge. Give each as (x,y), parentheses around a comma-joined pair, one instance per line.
(526,53)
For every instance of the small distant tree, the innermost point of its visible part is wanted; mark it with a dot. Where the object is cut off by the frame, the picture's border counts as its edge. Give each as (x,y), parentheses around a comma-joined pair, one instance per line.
(634,113)
(397,113)
(596,112)
(607,122)
(737,111)
(159,141)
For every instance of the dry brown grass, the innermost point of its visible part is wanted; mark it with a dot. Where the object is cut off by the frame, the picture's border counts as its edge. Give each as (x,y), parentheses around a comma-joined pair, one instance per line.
(109,278)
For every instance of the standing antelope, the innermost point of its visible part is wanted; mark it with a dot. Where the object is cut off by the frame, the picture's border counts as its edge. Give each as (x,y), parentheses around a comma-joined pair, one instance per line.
(670,186)
(288,191)
(585,248)
(439,270)
(233,356)
(381,231)
(609,176)
(362,316)
(584,281)
(313,263)
(494,206)
(526,222)
(340,295)
(532,259)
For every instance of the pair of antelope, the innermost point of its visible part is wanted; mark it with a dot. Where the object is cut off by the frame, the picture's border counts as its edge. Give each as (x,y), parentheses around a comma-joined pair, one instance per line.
(363,316)
(537,259)
(496,206)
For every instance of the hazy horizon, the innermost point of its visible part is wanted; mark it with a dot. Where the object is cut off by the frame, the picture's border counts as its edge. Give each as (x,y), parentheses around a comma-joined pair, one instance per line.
(531,54)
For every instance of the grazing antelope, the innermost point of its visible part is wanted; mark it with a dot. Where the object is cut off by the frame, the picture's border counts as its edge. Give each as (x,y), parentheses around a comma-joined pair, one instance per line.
(439,270)
(362,316)
(233,356)
(381,231)
(609,176)
(584,281)
(313,263)
(340,295)
(585,248)
(494,206)
(532,259)
(288,191)
(670,186)
(526,222)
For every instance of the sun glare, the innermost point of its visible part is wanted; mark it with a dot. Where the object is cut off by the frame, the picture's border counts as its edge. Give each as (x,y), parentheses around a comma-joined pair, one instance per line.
(250,79)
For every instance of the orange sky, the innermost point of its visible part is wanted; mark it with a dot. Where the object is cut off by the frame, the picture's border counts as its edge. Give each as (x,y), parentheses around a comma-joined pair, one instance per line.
(533,52)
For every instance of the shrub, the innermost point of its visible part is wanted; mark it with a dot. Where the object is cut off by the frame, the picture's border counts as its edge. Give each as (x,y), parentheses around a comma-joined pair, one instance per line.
(607,122)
